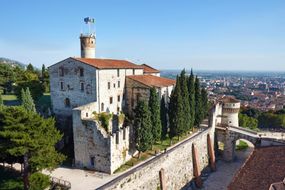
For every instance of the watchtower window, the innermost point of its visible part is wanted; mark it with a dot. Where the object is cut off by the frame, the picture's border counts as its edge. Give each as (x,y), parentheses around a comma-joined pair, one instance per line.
(81,72)
(133,71)
(111,100)
(119,84)
(109,85)
(102,107)
(67,102)
(61,71)
(119,98)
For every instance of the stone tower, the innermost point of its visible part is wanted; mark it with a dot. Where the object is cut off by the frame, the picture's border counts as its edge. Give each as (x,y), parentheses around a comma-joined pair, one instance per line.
(230,110)
(87,45)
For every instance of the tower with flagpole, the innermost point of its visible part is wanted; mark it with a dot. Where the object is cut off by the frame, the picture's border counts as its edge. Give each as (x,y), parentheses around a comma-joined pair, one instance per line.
(88,40)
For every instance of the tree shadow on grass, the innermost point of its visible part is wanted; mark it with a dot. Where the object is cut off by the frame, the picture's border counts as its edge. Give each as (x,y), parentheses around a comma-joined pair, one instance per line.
(10,179)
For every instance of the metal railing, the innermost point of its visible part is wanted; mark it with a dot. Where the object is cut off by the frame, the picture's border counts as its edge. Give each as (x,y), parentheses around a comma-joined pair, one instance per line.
(60,182)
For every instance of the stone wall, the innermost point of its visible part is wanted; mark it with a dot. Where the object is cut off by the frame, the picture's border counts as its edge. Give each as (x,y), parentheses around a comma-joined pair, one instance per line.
(176,162)
(94,147)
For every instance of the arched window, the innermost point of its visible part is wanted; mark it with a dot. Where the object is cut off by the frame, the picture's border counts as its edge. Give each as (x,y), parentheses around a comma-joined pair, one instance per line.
(102,107)
(67,102)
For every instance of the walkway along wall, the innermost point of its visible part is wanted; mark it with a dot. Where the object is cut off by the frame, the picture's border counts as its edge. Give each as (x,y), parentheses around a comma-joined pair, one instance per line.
(175,166)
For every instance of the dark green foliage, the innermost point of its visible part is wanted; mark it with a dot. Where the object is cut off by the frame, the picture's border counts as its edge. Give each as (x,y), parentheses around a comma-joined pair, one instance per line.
(198,103)
(205,103)
(1,100)
(104,118)
(191,92)
(185,101)
(39,181)
(27,100)
(30,68)
(35,86)
(163,118)
(154,108)
(142,126)
(6,74)
(176,111)
(251,112)
(271,120)
(247,122)
(10,179)
(28,135)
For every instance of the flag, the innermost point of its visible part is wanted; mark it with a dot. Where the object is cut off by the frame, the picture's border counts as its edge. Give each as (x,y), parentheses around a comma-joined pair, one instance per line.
(89,20)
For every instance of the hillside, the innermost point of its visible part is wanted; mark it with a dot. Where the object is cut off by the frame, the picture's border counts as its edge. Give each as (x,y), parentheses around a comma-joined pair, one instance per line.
(11,62)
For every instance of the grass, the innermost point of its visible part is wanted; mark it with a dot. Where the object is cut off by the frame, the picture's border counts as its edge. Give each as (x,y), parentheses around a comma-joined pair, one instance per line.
(9,97)
(10,179)
(156,148)
(242,145)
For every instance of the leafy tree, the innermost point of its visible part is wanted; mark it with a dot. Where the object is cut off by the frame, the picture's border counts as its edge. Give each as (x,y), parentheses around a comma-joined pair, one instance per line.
(35,86)
(191,89)
(176,111)
(28,135)
(1,100)
(271,120)
(185,101)
(251,112)
(154,108)
(247,122)
(205,103)
(163,118)
(43,70)
(27,100)
(30,68)
(7,76)
(198,103)
(39,181)
(143,128)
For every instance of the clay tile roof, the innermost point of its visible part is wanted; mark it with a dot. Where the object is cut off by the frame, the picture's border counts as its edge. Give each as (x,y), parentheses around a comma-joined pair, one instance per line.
(263,168)
(149,69)
(109,63)
(152,81)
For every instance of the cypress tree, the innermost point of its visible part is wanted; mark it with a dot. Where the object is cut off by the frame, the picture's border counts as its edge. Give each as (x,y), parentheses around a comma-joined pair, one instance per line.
(198,103)
(27,100)
(204,100)
(185,101)
(191,93)
(154,108)
(163,118)
(176,115)
(43,70)
(143,127)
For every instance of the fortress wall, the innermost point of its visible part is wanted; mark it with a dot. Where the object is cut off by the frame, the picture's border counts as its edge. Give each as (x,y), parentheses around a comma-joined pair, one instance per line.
(176,162)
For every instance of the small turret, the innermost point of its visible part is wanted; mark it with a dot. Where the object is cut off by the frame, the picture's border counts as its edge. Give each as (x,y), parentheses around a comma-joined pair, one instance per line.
(88,41)
(230,111)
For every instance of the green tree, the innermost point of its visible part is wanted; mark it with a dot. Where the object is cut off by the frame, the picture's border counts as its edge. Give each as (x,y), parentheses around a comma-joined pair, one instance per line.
(143,128)
(43,71)
(31,137)
(198,103)
(185,101)
(163,118)
(27,100)
(30,68)
(205,103)
(191,89)
(35,86)
(154,108)
(1,100)
(247,122)
(176,114)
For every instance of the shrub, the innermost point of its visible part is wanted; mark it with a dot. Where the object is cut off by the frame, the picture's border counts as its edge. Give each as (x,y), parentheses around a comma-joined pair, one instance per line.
(39,181)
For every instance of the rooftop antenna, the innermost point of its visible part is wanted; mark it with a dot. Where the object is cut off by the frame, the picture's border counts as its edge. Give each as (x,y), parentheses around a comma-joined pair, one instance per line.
(90,21)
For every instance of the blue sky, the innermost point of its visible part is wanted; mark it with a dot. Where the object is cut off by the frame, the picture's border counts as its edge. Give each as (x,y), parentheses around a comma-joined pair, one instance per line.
(202,34)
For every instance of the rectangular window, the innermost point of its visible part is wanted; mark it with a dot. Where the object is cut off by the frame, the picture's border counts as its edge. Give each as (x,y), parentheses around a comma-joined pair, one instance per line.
(109,85)
(118,109)
(119,98)
(82,86)
(133,71)
(61,72)
(92,160)
(61,86)
(119,84)
(118,72)
(111,100)
(114,85)
(81,72)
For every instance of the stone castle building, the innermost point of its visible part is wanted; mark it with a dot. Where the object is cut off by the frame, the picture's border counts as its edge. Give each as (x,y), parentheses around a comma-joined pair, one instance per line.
(83,88)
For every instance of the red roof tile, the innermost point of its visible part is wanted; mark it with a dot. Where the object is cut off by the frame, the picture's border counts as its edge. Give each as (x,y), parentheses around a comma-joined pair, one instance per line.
(149,69)
(109,63)
(264,166)
(152,81)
